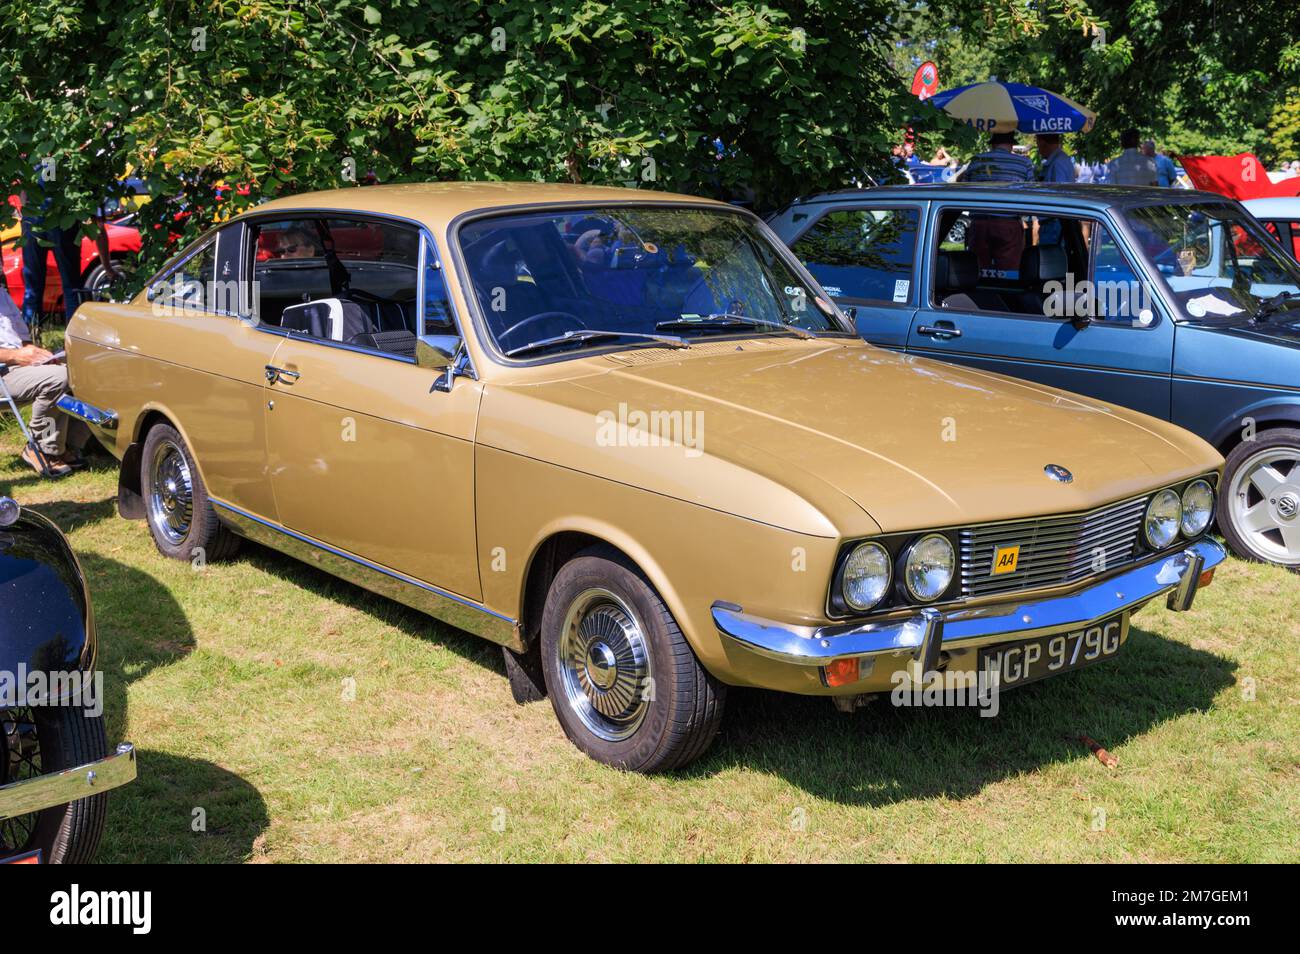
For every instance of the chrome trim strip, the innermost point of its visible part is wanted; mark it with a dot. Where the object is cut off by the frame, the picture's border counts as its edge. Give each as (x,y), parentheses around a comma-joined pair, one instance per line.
(922,636)
(94,416)
(59,788)
(441,604)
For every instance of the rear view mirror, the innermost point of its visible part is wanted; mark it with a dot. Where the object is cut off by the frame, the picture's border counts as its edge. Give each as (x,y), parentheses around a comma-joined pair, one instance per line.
(437,352)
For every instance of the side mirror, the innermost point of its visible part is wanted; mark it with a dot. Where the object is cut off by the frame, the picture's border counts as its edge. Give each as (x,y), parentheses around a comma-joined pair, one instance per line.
(445,354)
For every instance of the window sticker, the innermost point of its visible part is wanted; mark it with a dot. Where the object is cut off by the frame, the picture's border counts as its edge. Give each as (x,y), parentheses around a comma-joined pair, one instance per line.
(901,287)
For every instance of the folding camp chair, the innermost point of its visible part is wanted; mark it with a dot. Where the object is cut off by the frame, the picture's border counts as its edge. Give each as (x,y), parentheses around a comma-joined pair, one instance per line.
(37,454)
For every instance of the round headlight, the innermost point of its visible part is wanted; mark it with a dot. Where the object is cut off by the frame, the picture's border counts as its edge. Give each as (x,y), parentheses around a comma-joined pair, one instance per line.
(929,568)
(1164,514)
(1198,507)
(866,576)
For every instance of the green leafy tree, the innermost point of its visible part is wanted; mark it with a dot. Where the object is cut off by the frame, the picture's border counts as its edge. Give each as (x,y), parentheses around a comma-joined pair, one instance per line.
(741,100)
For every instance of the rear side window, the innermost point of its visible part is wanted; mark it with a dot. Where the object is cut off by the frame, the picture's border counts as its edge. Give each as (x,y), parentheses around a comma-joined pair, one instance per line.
(350,281)
(864,255)
(188,286)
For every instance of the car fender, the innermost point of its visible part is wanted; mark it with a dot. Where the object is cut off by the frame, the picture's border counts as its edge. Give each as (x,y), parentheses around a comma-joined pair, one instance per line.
(46,622)
(1272,411)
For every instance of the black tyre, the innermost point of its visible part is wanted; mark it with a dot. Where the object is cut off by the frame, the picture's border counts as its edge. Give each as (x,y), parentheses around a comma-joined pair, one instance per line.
(180,516)
(1259,506)
(623,681)
(99,283)
(37,740)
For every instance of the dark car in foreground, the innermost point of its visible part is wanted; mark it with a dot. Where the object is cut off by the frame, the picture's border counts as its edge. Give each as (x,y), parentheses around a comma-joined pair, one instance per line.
(1176,303)
(55,764)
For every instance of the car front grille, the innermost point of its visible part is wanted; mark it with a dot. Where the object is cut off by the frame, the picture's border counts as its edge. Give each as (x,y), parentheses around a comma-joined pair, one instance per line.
(1053,550)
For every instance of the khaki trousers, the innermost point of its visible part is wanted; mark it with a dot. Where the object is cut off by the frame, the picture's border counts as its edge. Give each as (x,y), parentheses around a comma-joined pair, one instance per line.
(41,386)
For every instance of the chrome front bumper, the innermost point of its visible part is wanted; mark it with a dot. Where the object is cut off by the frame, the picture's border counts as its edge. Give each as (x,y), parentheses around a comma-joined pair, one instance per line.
(59,788)
(924,635)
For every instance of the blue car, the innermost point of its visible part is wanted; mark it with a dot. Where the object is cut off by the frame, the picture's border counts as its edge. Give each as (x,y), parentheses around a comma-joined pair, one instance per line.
(1173,302)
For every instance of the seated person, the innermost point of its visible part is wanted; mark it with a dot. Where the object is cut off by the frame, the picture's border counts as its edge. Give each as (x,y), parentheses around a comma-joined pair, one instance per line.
(31,379)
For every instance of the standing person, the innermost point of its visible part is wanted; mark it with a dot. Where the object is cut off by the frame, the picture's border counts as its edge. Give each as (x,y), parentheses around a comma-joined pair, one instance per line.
(1131,167)
(1166,174)
(999,163)
(1056,166)
(998,240)
(37,244)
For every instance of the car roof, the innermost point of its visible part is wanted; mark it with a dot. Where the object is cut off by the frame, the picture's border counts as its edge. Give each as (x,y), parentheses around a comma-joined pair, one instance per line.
(437,203)
(1096,195)
(1284,205)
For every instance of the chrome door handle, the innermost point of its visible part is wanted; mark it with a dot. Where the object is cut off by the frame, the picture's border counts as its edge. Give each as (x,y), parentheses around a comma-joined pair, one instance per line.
(939,331)
(274,374)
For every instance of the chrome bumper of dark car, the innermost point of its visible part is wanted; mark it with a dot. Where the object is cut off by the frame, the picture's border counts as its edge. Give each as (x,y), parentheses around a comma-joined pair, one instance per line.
(924,634)
(94,416)
(59,788)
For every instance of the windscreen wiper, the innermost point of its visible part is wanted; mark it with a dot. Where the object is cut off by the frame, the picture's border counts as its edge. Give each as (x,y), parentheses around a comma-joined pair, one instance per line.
(729,320)
(1270,305)
(592,334)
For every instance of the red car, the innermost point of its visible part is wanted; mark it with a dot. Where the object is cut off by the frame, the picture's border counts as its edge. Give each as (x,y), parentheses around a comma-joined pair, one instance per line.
(123,243)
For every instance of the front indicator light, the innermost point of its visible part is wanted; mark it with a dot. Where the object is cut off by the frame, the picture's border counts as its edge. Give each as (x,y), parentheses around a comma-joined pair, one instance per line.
(931,562)
(1207,577)
(1198,507)
(1163,517)
(841,672)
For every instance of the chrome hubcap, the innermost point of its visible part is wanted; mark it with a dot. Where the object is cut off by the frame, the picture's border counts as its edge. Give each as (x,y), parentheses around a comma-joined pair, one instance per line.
(171,494)
(1265,504)
(605,664)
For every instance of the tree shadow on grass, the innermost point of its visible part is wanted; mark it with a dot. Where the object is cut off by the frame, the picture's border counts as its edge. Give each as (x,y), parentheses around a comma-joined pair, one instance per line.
(140,628)
(883,754)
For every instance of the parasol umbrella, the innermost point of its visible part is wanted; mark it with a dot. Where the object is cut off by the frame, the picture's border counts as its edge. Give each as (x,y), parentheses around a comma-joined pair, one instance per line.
(1014,107)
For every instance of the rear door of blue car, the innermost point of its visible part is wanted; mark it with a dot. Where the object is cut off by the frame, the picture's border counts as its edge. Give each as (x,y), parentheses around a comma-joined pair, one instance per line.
(865,254)
(1048,294)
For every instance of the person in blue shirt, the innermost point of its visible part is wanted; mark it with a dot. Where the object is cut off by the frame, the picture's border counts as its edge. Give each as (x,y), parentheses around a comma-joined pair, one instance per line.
(1055,166)
(1166,174)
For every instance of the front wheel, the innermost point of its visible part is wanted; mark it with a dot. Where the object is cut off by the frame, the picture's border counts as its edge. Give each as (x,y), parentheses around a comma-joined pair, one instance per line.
(41,740)
(181,519)
(1259,509)
(622,679)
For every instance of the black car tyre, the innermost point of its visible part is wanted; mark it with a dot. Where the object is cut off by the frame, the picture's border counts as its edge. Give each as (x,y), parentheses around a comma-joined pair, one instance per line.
(40,740)
(177,508)
(1259,506)
(622,679)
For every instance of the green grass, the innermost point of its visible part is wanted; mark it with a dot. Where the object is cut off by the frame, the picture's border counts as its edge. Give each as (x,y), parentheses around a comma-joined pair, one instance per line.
(230,681)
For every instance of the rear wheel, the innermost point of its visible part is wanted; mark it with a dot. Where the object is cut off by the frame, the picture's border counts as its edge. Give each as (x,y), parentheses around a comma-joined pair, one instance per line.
(1259,509)
(39,740)
(622,679)
(181,519)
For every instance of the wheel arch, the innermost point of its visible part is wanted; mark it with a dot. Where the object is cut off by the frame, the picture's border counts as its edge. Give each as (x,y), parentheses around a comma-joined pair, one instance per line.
(1266,415)
(130,492)
(558,545)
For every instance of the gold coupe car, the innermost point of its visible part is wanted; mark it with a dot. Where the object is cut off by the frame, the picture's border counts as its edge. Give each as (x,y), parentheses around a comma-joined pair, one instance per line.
(628,437)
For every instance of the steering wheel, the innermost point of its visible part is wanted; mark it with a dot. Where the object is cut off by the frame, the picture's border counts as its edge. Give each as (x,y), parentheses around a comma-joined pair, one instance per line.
(542,316)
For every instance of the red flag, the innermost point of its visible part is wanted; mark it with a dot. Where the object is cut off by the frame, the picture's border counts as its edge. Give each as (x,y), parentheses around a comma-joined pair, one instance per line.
(1238,177)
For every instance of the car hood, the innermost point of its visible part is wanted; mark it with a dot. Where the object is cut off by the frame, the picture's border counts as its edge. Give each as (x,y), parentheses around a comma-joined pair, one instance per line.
(782,426)
(1279,329)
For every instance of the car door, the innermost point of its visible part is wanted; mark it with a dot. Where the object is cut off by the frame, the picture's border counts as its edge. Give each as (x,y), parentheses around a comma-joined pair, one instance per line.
(1036,326)
(367,455)
(864,255)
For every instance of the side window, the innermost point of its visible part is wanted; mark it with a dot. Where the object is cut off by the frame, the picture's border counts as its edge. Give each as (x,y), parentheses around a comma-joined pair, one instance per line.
(1118,292)
(351,281)
(1008,261)
(188,286)
(863,254)
(435,317)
